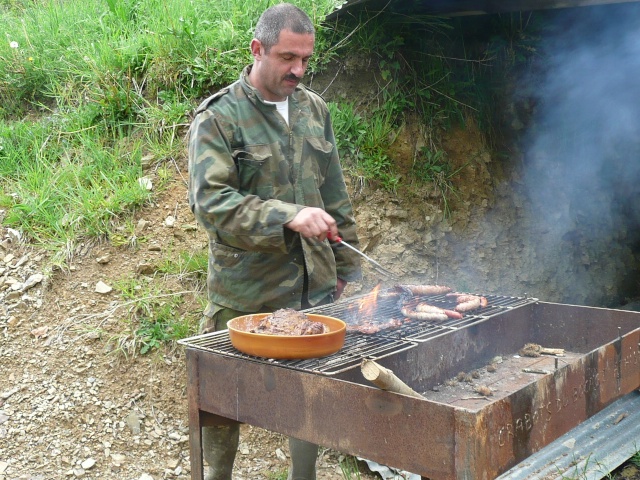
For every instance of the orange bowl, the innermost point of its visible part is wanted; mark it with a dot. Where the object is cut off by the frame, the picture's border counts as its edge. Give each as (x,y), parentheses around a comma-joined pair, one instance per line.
(287,347)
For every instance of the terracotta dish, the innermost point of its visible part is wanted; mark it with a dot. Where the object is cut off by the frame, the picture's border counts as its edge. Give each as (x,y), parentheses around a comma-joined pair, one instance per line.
(286,346)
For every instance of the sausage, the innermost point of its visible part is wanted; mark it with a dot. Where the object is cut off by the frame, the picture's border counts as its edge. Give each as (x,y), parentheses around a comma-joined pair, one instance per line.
(425,289)
(427,316)
(468,305)
(462,297)
(468,302)
(425,307)
(452,313)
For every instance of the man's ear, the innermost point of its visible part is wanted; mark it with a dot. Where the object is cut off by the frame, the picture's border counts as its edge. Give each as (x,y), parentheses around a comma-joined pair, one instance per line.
(256,49)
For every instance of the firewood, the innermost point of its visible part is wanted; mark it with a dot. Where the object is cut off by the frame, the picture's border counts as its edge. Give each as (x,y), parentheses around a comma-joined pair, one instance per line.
(385,379)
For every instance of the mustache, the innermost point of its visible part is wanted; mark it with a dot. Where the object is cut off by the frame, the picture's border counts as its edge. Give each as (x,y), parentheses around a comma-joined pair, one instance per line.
(292,77)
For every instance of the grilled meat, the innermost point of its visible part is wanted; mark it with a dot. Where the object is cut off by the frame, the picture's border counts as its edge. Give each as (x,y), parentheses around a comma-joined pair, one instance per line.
(287,321)
(437,315)
(425,307)
(424,289)
(368,328)
(468,302)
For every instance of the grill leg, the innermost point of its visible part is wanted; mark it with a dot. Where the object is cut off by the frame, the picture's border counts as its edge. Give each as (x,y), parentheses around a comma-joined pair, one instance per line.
(195,443)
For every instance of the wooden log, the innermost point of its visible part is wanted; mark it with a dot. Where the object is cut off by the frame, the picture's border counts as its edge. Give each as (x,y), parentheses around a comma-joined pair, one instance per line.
(385,379)
(559,352)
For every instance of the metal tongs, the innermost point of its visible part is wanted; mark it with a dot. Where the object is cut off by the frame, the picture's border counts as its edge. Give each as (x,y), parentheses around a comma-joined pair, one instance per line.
(379,268)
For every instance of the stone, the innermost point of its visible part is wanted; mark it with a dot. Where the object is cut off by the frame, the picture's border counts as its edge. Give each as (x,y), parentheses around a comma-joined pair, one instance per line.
(103,288)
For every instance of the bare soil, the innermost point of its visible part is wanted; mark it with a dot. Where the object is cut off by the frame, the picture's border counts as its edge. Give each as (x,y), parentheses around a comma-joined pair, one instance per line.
(73,405)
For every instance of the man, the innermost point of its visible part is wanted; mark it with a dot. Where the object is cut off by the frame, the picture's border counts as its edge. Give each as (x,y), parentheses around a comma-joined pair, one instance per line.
(267,185)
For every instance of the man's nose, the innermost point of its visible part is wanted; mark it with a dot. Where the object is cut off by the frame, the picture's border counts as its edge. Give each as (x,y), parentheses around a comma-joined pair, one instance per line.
(298,68)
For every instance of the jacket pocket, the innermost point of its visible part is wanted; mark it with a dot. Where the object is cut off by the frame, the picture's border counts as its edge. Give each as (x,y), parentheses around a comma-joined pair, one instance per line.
(223,256)
(319,151)
(255,170)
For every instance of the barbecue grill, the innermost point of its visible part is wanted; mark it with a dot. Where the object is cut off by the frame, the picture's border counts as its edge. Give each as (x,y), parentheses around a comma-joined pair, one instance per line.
(454,432)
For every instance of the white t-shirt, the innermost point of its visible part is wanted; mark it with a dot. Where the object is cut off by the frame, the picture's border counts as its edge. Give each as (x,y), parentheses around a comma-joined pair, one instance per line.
(282,107)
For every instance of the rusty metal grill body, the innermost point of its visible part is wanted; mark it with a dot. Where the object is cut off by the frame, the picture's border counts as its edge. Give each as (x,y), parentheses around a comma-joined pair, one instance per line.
(448,435)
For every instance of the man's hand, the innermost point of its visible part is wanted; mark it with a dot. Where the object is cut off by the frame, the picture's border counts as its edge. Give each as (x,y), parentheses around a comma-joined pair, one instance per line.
(312,222)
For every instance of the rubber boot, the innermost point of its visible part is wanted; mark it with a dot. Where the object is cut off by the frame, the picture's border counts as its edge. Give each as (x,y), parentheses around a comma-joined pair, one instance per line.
(219,447)
(303,460)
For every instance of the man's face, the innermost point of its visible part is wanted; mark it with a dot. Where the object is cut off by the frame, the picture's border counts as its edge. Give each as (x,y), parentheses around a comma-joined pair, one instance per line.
(277,73)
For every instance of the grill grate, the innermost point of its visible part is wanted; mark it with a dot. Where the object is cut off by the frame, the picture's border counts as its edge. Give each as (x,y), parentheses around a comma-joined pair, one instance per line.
(376,308)
(355,349)
(380,308)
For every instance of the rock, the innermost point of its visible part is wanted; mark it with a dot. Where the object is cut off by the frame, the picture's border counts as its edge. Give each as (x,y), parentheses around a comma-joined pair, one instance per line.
(145,476)
(146,183)
(88,464)
(133,422)
(170,221)
(145,269)
(32,281)
(103,260)
(40,332)
(13,236)
(142,224)
(103,288)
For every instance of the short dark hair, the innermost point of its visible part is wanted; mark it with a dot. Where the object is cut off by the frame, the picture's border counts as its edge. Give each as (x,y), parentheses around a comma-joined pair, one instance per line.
(279,17)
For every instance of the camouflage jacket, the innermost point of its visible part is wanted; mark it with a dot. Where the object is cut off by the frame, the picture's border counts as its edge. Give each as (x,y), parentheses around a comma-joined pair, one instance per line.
(249,174)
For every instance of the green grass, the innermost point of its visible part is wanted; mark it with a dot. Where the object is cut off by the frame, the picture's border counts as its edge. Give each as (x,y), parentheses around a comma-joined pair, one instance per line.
(154,318)
(97,95)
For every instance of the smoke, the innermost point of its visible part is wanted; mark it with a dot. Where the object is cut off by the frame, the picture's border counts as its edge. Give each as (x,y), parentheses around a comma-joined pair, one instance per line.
(582,152)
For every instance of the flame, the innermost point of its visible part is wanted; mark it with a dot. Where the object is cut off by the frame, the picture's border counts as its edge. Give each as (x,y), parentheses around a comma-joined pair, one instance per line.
(367,306)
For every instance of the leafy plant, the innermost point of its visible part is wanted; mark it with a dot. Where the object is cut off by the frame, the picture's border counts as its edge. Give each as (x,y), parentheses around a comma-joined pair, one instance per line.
(432,166)
(363,143)
(153,318)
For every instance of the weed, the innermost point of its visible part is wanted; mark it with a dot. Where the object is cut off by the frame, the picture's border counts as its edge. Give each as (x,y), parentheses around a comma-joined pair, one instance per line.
(363,144)
(279,475)
(432,166)
(188,264)
(349,468)
(153,318)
